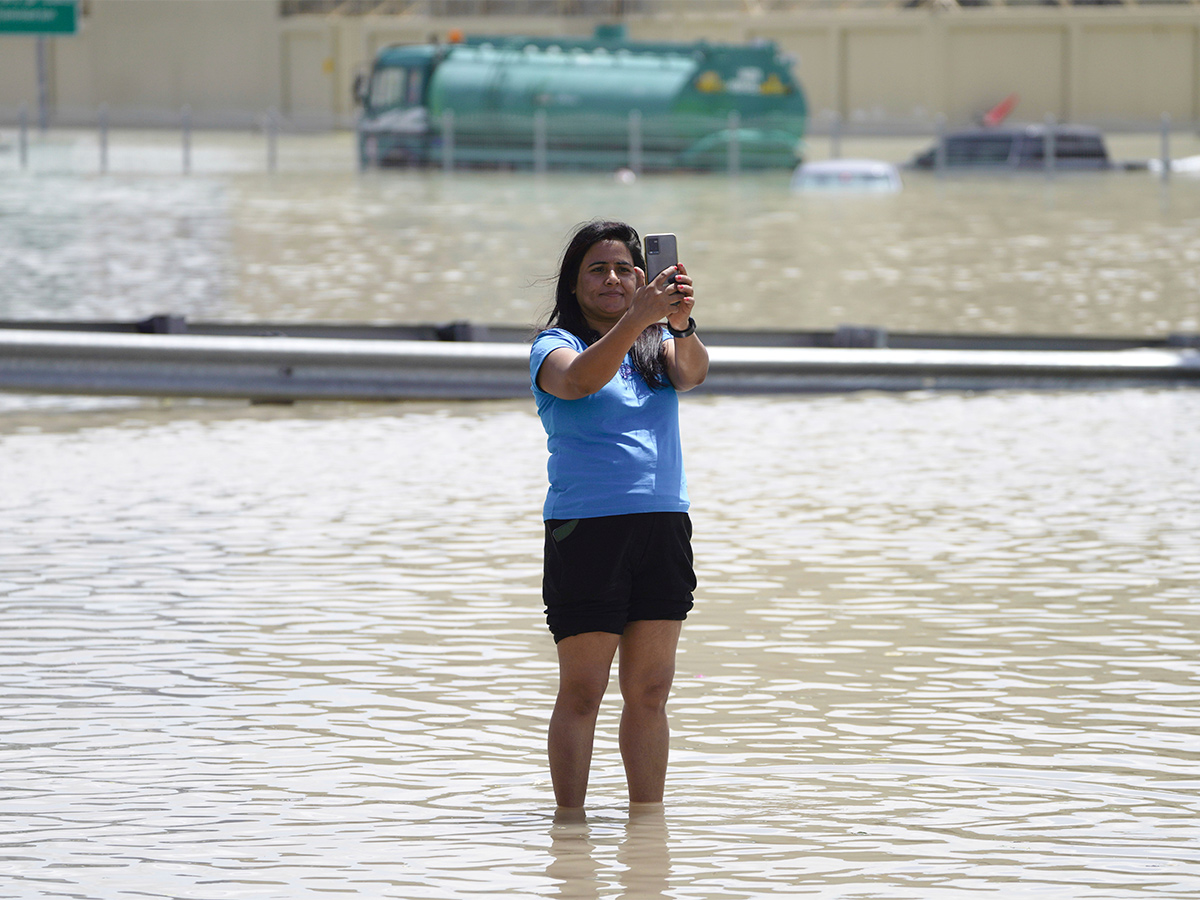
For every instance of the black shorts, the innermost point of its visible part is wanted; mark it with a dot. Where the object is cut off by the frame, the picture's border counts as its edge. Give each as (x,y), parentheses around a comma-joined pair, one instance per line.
(602,573)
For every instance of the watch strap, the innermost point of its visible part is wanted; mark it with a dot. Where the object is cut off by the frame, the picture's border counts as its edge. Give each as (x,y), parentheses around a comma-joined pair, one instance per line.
(687,332)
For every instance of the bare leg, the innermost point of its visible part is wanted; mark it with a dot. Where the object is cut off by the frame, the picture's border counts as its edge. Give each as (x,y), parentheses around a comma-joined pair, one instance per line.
(584,661)
(647,669)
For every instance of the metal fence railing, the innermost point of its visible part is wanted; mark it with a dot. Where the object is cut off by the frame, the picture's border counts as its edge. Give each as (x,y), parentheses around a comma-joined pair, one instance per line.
(620,9)
(726,142)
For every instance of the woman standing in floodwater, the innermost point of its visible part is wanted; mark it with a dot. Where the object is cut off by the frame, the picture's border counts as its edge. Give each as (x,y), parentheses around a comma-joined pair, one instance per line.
(618,559)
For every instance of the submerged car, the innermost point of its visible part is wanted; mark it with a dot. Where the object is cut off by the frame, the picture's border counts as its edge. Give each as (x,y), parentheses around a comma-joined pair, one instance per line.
(853,175)
(1076,147)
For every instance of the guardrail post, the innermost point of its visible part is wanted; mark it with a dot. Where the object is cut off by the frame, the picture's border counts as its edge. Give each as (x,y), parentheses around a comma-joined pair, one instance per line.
(448,140)
(939,153)
(1049,150)
(539,141)
(735,151)
(1165,153)
(23,137)
(103,124)
(635,141)
(186,123)
(362,150)
(369,144)
(272,129)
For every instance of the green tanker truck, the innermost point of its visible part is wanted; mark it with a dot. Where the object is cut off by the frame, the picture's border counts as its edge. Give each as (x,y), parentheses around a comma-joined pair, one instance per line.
(599,103)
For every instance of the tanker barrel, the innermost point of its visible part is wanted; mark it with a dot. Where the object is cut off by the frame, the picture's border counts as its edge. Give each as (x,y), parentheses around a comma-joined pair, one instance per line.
(635,141)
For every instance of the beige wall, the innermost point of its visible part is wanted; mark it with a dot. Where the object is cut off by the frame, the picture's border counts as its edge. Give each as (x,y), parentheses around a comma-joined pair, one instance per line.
(231,61)
(18,78)
(1111,66)
(989,65)
(311,61)
(1157,60)
(146,59)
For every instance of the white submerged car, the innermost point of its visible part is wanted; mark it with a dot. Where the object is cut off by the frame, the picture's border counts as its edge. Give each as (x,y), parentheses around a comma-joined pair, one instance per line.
(1189,165)
(867,176)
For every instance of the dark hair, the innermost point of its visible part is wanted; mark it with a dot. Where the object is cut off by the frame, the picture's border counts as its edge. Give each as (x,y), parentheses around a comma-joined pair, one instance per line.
(646,353)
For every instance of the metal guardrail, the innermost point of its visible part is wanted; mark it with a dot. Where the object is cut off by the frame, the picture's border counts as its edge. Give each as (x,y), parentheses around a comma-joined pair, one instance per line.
(266,368)
(780,370)
(305,368)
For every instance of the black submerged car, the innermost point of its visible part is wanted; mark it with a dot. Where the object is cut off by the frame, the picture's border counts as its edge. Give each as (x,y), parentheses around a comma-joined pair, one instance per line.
(1014,147)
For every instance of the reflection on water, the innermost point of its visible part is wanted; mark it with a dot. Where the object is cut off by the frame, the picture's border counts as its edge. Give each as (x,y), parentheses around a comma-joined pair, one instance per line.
(944,644)
(1110,253)
(629,858)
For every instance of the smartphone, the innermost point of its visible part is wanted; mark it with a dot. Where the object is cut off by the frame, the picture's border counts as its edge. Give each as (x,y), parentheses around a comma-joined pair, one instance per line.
(662,252)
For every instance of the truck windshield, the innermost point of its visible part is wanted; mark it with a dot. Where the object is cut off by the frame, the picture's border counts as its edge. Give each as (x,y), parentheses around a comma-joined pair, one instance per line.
(393,87)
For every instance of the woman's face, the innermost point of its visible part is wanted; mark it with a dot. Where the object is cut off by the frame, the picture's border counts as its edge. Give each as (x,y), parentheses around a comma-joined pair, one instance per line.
(606,283)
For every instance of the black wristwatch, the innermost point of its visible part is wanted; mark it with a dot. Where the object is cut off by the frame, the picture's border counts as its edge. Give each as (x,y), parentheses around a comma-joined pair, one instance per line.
(687,332)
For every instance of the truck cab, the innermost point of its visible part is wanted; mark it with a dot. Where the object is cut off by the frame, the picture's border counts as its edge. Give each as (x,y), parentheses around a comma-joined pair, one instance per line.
(394,127)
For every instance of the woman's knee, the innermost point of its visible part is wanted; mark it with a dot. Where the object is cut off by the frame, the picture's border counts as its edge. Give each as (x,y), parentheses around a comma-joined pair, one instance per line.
(584,664)
(582,695)
(648,690)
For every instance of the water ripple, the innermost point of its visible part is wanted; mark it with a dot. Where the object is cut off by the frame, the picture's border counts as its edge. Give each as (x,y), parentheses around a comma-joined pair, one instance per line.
(944,644)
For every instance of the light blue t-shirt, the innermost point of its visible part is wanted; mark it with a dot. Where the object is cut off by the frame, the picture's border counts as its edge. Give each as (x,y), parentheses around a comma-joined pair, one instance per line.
(614,452)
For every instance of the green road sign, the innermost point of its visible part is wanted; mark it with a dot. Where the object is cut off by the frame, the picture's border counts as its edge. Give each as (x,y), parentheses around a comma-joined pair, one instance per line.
(39,16)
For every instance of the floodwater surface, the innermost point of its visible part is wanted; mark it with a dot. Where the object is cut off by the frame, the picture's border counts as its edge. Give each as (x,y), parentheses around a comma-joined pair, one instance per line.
(1111,253)
(945,645)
